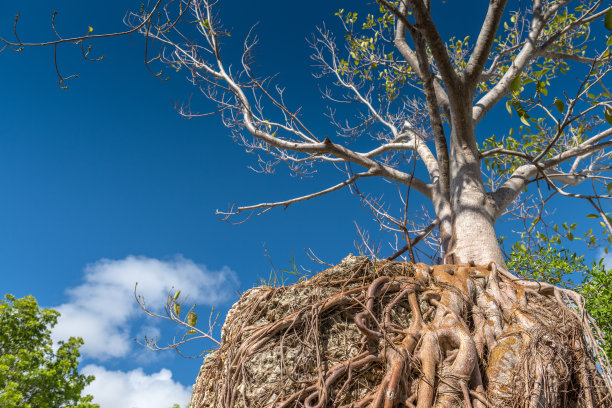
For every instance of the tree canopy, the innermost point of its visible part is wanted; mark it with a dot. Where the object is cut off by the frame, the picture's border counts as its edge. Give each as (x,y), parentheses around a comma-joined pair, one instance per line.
(32,373)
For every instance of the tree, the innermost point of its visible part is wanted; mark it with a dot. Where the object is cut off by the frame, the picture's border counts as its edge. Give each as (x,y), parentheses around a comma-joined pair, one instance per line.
(561,267)
(596,289)
(460,84)
(419,104)
(32,375)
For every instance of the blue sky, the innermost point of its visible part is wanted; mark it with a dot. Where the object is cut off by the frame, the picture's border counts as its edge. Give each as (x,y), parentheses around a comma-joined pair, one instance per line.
(104,184)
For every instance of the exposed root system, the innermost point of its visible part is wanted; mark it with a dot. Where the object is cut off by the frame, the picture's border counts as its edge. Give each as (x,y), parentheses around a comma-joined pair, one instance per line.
(391,334)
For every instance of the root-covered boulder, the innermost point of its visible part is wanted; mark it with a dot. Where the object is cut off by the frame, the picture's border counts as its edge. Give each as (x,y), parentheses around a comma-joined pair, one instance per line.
(392,334)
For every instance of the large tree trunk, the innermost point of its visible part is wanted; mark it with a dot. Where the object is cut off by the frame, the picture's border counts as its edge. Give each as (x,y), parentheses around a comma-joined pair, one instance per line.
(473,212)
(474,238)
(368,334)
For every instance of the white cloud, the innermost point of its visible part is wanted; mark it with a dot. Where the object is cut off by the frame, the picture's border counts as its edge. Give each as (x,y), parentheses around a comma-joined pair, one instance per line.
(135,389)
(103,308)
(607,258)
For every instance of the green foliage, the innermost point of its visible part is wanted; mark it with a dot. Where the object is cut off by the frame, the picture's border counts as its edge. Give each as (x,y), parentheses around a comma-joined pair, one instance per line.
(368,59)
(597,291)
(538,233)
(546,264)
(608,113)
(32,375)
(561,267)
(608,20)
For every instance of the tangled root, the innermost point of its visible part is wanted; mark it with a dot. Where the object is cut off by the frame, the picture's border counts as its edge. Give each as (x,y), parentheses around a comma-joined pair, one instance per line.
(392,334)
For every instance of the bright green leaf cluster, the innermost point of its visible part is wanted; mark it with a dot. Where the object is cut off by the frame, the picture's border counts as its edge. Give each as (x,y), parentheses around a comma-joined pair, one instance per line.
(367,59)
(546,263)
(458,50)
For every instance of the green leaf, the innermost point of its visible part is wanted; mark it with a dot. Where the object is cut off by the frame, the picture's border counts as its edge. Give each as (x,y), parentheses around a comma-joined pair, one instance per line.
(592,216)
(177,309)
(515,85)
(608,116)
(524,120)
(608,19)
(560,105)
(192,319)
(176,295)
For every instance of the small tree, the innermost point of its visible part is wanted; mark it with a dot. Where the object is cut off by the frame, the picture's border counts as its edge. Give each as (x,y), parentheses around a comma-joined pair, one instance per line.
(32,375)
(563,268)
(597,290)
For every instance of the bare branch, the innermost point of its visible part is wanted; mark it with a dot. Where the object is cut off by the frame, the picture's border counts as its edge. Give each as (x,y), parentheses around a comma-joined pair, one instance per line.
(602,214)
(573,57)
(407,53)
(427,27)
(523,175)
(18,45)
(481,51)
(415,241)
(525,55)
(287,203)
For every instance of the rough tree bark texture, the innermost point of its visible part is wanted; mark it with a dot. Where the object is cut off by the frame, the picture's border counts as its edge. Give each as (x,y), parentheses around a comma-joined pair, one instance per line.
(391,334)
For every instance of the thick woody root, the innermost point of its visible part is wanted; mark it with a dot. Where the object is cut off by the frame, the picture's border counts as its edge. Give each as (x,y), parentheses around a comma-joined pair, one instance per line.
(391,334)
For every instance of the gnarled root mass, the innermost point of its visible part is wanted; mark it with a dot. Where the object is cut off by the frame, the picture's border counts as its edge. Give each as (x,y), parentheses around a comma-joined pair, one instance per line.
(391,334)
